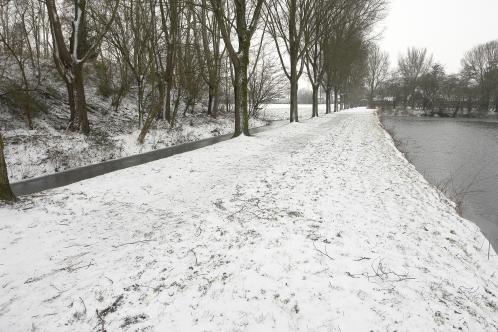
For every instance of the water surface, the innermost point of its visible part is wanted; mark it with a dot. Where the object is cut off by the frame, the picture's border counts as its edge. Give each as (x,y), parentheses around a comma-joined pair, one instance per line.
(458,155)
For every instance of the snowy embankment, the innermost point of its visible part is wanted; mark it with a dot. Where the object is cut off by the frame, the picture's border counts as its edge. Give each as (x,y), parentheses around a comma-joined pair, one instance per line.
(33,153)
(317,226)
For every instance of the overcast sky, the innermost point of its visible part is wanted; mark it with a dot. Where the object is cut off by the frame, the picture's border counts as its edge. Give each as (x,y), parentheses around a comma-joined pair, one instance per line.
(447,28)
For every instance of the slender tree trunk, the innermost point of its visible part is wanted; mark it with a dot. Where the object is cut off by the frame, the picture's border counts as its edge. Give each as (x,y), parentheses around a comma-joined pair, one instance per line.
(328,101)
(496,102)
(175,109)
(237,101)
(210,101)
(315,101)
(169,83)
(293,96)
(162,98)
(336,101)
(6,193)
(245,91)
(140,102)
(216,101)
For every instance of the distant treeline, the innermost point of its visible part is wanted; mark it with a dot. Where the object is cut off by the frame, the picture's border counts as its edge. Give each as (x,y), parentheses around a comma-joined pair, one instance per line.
(419,82)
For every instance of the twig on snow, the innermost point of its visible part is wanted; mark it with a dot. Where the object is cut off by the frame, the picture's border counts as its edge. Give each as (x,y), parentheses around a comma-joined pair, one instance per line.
(324,253)
(195,256)
(362,259)
(83,302)
(131,243)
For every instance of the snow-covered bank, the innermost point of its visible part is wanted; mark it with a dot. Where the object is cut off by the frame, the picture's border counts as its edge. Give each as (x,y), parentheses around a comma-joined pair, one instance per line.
(319,226)
(32,153)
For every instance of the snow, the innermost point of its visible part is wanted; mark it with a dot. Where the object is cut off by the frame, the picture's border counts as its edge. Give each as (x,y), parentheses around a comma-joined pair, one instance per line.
(314,226)
(45,150)
(277,112)
(32,153)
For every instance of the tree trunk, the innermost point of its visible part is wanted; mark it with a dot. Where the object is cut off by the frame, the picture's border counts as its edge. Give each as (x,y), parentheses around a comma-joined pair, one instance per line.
(72,108)
(6,193)
(294,86)
(149,120)
(245,92)
(238,100)
(315,101)
(371,101)
(216,102)
(328,96)
(210,101)
(80,100)
(336,101)
(169,83)
(175,109)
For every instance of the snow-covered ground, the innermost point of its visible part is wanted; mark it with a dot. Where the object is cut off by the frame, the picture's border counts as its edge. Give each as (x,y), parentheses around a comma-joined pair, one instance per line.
(315,226)
(277,112)
(44,150)
(47,150)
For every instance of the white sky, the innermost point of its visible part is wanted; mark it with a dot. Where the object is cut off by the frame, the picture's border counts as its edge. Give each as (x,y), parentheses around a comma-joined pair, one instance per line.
(447,28)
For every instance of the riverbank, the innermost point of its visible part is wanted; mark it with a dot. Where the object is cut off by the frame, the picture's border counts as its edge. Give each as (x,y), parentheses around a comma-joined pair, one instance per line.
(457,156)
(471,116)
(321,225)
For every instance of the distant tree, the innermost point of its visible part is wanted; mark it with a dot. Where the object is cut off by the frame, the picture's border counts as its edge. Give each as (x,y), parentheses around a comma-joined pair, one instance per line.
(289,20)
(265,84)
(431,85)
(392,90)
(6,193)
(413,65)
(345,45)
(378,70)
(481,65)
(327,13)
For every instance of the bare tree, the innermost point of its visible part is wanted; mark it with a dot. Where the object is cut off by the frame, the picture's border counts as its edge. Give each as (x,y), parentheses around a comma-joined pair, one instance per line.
(21,43)
(132,35)
(345,45)
(288,22)
(71,58)
(209,45)
(245,14)
(481,65)
(378,71)
(413,65)
(265,84)
(316,35)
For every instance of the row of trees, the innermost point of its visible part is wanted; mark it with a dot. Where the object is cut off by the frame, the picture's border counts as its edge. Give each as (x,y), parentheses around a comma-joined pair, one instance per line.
(419,82)
(173,53)
(169,52)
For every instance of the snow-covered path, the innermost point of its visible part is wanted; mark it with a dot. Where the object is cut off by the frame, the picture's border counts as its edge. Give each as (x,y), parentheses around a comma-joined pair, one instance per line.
(318,226)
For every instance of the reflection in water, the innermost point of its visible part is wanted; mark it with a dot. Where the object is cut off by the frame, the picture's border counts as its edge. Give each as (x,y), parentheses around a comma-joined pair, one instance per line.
(459,155)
